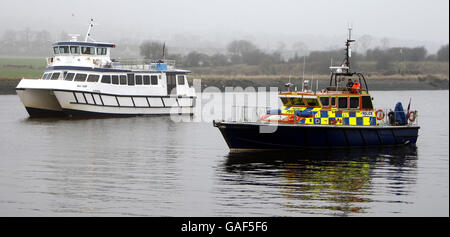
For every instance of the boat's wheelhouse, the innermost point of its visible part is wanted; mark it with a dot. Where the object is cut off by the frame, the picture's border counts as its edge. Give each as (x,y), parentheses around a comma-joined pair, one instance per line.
(89,66)
(327,101)
(75,53)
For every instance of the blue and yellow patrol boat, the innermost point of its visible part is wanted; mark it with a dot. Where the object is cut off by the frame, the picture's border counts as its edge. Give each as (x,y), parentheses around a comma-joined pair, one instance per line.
(341,115)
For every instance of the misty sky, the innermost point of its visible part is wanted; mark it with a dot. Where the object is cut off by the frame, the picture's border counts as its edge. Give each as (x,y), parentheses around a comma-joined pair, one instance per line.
(416,20)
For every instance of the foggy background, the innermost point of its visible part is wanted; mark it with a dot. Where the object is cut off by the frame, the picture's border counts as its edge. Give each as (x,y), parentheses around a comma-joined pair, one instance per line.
(209,25)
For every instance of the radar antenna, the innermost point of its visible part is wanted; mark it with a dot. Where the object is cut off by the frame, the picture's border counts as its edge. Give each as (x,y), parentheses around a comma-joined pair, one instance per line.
(73,37)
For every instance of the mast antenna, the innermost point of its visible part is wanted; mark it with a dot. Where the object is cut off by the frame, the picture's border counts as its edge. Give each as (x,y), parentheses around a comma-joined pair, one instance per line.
(348,52)
(303,76)
(88,34)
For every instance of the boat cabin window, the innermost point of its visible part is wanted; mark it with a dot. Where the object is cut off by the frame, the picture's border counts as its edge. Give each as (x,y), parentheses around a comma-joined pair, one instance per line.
(312,101)
(55,50)
(123,80)
(333,101)
(130,80)
(55,76)
(69,76)
(138,80)
(154,80)
(325,101)
(74,49)
(93,78)
(115,79)
(146,80)
(80,77)
(366,102)
(106,79)
(44,76)
(180,79)
(87,50)
(342,102)
(64,49)
(286,101)
(354,102)
(297,101)
(101,51)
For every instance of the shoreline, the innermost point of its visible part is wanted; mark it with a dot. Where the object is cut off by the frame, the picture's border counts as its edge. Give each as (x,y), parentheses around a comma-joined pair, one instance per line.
(424,82)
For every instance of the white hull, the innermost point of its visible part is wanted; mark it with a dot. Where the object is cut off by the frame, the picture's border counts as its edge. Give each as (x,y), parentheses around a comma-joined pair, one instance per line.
(88,103)
(40,100)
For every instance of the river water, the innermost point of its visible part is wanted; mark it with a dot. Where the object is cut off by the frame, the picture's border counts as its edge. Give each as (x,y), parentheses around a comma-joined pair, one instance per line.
(153,166)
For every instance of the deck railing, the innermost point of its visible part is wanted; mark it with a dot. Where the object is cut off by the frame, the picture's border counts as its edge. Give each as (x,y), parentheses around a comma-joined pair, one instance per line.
(254,113)
(389,118)
(141,64)
(247,113)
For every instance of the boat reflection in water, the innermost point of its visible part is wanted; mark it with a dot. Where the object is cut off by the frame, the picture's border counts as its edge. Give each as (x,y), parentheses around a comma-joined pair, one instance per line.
(338,182)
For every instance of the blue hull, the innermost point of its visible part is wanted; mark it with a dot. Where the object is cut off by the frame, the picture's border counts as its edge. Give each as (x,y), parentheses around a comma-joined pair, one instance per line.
(248,136)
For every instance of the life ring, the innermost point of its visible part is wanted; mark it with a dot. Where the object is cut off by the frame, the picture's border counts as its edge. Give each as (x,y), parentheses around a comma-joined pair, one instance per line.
(412,116)
(379,114)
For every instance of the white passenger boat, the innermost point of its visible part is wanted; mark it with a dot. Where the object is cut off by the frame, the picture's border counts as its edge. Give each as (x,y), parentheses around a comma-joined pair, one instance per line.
(81,80)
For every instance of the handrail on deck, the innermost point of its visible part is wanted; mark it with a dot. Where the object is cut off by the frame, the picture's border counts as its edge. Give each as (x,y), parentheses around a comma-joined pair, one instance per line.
(141,63)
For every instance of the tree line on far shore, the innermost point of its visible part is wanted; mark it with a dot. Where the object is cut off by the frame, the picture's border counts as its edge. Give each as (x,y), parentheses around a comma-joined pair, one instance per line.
(243,52)
(247,53)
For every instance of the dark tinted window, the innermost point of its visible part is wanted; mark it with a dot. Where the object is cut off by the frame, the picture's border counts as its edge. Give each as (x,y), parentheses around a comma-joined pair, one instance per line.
(106,79)
(123,80)
(138,80)
(297,101)
(70,76)
(130,80)
(366,102)
(180,79)
(354,102)
(154,80)
(311,102)
(333,101)
(93,78)
(325,101)
(55,76)
(342,102)
(80,77)
(44,76)
(147,80)
(286,101)
(115,79)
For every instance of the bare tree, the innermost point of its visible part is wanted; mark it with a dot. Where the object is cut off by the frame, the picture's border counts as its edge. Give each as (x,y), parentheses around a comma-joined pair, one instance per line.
(364,42)
(152,49)
(442,54)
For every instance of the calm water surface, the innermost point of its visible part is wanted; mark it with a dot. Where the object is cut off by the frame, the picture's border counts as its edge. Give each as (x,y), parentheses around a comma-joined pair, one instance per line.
(152,166)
